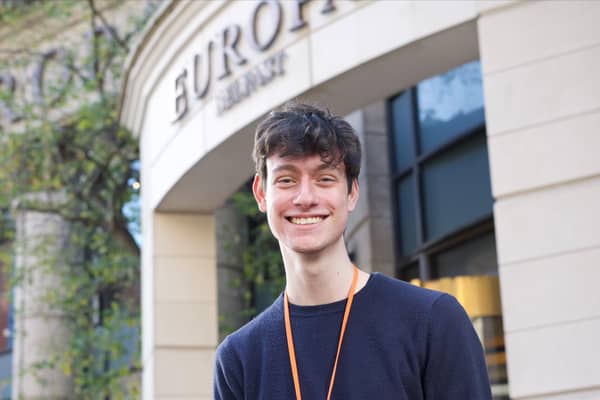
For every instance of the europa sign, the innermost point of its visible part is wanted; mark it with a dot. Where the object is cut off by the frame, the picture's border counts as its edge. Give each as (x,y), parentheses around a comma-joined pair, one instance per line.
(221,52)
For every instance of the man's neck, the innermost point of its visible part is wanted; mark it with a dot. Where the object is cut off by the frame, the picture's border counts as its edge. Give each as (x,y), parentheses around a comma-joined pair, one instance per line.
(321,278)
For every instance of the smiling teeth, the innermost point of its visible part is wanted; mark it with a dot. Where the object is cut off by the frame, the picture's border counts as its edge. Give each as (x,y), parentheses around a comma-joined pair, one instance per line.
(305,221)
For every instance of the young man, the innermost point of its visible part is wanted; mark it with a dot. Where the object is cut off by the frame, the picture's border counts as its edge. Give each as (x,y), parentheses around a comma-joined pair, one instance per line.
(337,332)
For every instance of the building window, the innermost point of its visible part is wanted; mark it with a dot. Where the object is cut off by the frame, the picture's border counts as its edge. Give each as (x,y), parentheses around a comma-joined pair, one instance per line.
(441,178)
(443,201)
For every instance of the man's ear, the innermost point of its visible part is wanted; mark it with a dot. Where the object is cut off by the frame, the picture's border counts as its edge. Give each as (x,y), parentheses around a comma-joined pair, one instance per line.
(259,193)
(353,195)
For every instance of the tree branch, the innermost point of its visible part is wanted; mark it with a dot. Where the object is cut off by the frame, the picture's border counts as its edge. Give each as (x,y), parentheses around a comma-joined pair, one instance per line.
(109,28)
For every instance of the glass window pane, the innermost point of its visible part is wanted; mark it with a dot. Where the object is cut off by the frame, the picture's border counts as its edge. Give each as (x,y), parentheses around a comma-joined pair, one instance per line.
(407,215)
(449,105)
(473,257)
(403,125)
(410,272)
(456,188)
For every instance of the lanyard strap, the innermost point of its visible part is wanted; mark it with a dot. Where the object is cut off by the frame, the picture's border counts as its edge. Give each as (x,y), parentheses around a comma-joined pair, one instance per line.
(290,340)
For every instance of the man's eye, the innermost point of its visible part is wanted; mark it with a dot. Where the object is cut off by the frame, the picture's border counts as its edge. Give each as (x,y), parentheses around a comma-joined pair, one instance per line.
(327,179)
(284,181)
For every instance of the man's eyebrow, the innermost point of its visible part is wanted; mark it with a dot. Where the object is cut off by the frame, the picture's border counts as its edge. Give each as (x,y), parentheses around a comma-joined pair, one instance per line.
(325,166)
(293,168)
(285,167)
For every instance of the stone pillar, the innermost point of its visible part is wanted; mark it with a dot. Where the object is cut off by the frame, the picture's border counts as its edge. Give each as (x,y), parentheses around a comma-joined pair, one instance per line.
(540,63)
(179,305)
(39,330)
(369,234)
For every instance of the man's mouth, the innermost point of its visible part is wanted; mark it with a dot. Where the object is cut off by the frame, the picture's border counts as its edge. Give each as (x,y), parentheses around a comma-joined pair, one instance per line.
(305,220)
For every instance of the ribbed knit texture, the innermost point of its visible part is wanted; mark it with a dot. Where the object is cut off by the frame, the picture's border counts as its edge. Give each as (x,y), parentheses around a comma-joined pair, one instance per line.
(402,342)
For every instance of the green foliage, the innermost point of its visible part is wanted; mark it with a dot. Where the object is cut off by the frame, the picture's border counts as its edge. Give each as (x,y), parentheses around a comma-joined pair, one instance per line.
(76,150)
(14,11)
(263,275)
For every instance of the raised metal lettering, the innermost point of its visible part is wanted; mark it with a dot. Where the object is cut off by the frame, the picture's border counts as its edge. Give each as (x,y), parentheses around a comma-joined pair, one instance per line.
(275,8)
(328,7)
(228,40)
(298,21)
(181,99)
(202,72)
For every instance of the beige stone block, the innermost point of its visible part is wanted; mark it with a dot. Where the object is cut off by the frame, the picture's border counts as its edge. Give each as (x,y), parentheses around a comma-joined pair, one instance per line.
(355,39)
(184,372)
(181,279)
(486,6)
(551,290)
(553,359)
(432,16)
(186,324)
(544,91)
(535,30)
(547,222)
(577,394)
(184,235)
(547,154)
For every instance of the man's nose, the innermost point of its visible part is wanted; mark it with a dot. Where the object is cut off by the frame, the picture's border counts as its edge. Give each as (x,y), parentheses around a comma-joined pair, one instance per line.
(306,195)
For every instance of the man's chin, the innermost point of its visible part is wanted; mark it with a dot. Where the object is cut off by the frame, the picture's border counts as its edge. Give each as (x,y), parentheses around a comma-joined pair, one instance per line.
(306,249)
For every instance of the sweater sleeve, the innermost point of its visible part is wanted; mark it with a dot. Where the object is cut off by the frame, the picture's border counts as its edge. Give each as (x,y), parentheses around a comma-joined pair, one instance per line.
(227,375)
(455,365)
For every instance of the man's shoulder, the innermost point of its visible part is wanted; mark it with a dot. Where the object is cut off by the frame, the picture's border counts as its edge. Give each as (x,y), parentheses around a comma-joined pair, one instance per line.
(253,333)
(394,291)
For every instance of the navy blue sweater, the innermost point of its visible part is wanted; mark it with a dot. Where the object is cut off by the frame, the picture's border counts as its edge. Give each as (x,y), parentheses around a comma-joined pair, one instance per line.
(402,342)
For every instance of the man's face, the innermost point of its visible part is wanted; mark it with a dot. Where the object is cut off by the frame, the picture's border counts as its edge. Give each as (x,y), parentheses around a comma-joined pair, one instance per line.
(306,201)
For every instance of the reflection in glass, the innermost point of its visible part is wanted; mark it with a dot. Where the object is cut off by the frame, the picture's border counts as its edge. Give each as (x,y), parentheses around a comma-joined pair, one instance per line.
(403,131)
(450,105)
(407,214)
(456,188)
(410,272)
(473,257)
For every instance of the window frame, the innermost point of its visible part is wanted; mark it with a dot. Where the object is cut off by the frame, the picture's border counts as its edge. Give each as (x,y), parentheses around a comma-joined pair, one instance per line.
(425,249)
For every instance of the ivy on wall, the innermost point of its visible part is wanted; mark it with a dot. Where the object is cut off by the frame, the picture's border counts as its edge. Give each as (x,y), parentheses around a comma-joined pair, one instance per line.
(263,277)
(65,140)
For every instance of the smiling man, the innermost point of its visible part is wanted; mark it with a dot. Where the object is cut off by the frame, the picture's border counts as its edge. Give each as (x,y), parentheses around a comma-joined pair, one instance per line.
(337,332)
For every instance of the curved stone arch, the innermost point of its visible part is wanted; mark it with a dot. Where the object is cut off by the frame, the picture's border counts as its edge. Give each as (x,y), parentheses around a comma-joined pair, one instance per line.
(183,156)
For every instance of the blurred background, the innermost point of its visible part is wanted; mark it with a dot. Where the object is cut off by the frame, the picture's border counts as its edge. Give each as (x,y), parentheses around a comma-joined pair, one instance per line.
(131,244)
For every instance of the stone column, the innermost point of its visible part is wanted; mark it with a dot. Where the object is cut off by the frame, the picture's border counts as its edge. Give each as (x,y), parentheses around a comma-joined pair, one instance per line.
(39,330)
(540,64)
(369,234)
(179,305)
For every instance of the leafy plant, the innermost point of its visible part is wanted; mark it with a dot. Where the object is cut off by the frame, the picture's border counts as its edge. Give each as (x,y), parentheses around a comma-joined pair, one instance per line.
(263,275)
(72,149)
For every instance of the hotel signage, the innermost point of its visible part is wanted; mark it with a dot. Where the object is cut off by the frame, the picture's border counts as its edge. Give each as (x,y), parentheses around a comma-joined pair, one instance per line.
(221,53)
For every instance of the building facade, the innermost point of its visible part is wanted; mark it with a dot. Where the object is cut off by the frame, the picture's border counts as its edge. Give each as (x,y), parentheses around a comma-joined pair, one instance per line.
(480,175)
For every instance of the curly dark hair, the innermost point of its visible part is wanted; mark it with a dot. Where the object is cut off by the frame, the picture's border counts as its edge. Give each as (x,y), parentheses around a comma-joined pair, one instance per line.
(298,130)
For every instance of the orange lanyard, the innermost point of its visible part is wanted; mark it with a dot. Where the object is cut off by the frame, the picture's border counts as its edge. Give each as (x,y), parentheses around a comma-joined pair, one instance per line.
(290,340)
